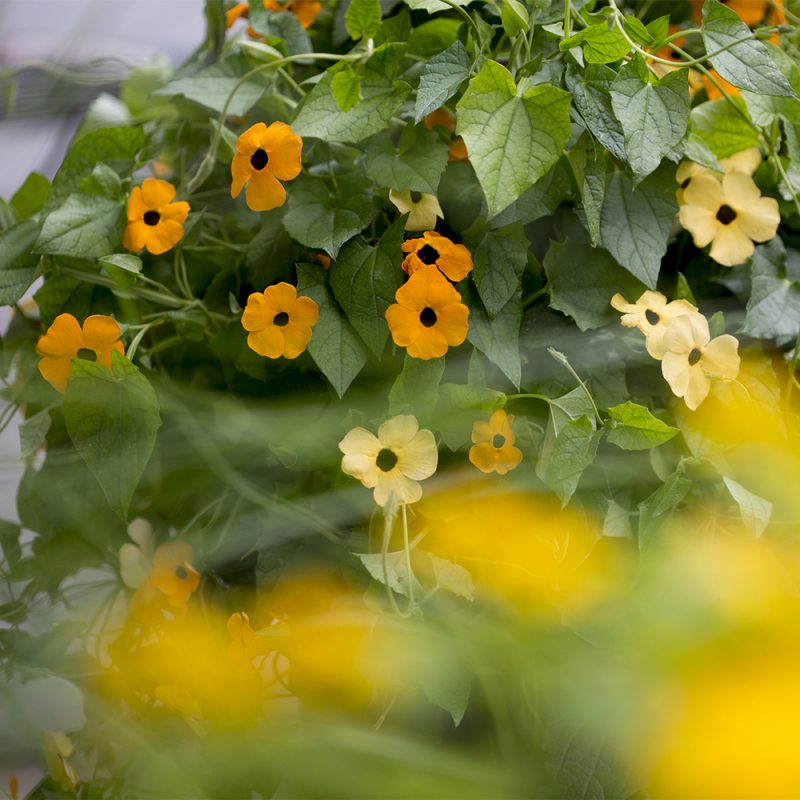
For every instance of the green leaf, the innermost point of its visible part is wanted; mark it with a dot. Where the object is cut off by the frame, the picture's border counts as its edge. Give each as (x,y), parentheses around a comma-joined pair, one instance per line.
(33,431)
(443,74)
(755,510)
(498,338)
(747,64)
(85,226)
(566,454)
(432,6)
(124,261)
(659,29)
(335,347)
(320,115)
(601,44)
(514,16)
(652,113)
(773,308)
(583,279)
(447,684)
(416,164)
(636,222)
(212,86)
(765,109)
(112,420)
(498,263)
(654,511)
(115,147)
(346,86)
(638,31)
(279,25)
(363,18)
(364,280)
(416,388)
(325,220)
(395,576)
(17,265)
(722,128)
(513,134)
(591,91)
(637,428)
(260,51)
(31,196)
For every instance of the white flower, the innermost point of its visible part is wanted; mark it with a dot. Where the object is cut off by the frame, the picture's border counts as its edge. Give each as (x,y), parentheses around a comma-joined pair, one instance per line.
(652,315)
(423,208)
(393,461)
(136,560)
(692,357)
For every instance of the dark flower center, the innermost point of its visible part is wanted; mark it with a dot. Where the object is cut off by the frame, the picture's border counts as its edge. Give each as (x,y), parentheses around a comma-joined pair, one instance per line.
(498,440)
(416,197)
(259,159)
(151,217)
(652,317)
(726,215)
(386,460)
(86,354)
(427,254)
(427,317)
(694,356)
(280,319)
(181,573)
(686,182)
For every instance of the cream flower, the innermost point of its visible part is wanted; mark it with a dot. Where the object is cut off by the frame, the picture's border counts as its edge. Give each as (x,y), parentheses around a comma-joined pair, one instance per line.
(422,209)
(729,215)
(393,461)
(136,560)
(746,161)
(652,314)
(692,357)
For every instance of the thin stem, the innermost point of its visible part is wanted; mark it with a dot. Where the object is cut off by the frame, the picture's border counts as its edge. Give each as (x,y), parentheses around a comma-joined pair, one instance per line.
(409,573)
(467,17)
(562,359)
(389,512)
(534,296)
(567,18)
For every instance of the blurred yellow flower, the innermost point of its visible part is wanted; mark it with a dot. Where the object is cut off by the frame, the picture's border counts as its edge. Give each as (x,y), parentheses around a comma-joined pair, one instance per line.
(154,221)
(58,748)
(422,209)
(652,314)
(729,215)
(493,449)
(392,462)
(65,340)
(692,357)
(279,322)
(265,156)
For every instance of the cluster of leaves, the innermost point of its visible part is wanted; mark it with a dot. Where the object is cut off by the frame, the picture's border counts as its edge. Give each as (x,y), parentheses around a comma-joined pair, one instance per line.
(567,197)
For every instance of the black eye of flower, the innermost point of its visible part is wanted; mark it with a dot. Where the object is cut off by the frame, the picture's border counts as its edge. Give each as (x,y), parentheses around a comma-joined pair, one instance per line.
(726,215)
(181,573)
(498,440)
(427,254)
(652,317)
(428,317)
(151,218)
(416,197)
(280,319)
(386,460)
(259,159)
(694,356)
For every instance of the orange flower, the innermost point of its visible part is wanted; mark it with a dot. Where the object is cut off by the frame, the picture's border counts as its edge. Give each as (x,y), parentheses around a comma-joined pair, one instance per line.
(429,316)
(66,340)
(264,157)
(154,221)
(305,10)
(173,574)
(279,321)
(454,260)
(238,11)
(323,258)
(457,150)
(493,449)
(444,119)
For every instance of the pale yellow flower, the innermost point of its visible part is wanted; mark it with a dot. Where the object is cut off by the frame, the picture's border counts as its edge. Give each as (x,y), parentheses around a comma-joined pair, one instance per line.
(652,314)
(422,209)
(392,462)
(57,749)
(729,215)
(746,161)
(692,358)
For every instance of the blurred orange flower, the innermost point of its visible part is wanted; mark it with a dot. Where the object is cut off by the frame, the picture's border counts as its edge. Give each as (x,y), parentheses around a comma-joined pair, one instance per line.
(306,11)
(154,221)
(493,449)
(264,157)
(65,340)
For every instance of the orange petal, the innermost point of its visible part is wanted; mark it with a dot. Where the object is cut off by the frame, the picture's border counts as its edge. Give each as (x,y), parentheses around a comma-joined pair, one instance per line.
(63,338)
(240,173)
(258,312)
(264,192)
(483,456)
(157,193)
(451,322)
(429,344)
(251,139)
(267,342)
(136,204)
(296,338)
(281,296)
(177,212)
(135,236)
(404,324)
(56,371)
(100,333)
(164,236)
(305,311)
(235,13)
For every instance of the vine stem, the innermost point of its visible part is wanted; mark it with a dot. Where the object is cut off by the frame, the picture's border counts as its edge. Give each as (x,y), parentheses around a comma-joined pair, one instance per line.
(207,163)
(567,18)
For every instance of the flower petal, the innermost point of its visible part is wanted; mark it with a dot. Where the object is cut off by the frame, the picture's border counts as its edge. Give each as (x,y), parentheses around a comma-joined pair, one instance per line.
(100,333)
(700,222)
(483,456)
(267,342)
(697,387)
(55,370)
(63,338)
(136,204)
(404,489)
(360,441)
(760,219)
(398,431)
(164,236)
(264,192)
(404,325)
(721,356)
(258,312)
(251,140)
(176,211)
(705,191)
(135,236)
(452,323)
(305,311)
(296,337)
(418,458)
(430,343)
(675,369)
(156,193)
(739,189)
(731,246)
(241,170)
